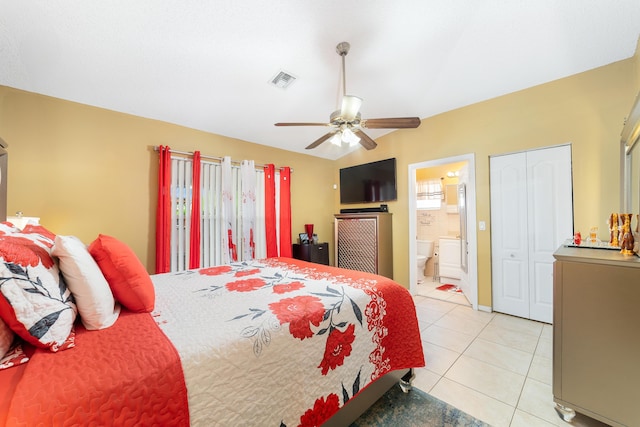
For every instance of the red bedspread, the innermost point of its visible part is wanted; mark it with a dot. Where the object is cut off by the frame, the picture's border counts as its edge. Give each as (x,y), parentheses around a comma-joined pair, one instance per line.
(128,374)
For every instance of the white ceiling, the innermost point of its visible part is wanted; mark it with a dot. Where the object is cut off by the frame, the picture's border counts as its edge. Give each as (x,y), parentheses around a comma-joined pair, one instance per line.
(206,64)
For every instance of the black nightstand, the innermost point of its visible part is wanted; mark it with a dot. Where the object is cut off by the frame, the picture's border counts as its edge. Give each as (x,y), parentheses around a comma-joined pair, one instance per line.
(318,253)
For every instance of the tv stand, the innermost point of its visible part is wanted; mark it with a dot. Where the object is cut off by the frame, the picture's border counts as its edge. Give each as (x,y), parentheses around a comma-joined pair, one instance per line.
(363,242)
(381,208)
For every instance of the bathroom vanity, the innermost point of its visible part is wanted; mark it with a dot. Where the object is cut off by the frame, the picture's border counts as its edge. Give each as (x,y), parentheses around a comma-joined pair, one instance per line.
(449,257)
(596,350)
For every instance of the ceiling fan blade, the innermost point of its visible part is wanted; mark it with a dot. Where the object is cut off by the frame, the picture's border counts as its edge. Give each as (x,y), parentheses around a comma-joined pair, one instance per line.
(302,124)
(391,123)
(320,140)
(365,140)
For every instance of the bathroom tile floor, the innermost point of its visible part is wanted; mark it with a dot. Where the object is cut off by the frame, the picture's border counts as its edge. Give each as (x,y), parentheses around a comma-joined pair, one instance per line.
(492,366)
(427,287)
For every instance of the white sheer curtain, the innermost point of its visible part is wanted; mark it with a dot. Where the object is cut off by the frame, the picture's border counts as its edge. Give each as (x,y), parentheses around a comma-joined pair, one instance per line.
(229,236)
(212,219)
(260,234)
(248,208)
(232,199)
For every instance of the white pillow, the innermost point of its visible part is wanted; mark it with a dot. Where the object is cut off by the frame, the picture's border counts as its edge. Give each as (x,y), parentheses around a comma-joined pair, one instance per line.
(95,302)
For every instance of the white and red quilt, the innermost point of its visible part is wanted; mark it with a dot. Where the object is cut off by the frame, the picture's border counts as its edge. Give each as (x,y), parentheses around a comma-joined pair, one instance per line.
(282,342)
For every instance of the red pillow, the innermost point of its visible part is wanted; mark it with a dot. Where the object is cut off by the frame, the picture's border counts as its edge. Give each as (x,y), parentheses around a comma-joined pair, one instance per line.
(127,277)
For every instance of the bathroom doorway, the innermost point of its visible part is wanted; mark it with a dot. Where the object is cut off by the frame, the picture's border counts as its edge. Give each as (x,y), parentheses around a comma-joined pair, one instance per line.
(450,225)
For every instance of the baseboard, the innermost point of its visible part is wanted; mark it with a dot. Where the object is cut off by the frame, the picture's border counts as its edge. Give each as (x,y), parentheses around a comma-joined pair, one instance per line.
(485,308)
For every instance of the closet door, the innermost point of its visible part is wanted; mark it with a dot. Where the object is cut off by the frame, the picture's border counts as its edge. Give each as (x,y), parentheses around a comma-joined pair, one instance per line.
(550,222)
(531,216)
(509,245)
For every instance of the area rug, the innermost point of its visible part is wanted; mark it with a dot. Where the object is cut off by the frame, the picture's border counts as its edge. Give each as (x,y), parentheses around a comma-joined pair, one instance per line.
(414,409)
(449,288)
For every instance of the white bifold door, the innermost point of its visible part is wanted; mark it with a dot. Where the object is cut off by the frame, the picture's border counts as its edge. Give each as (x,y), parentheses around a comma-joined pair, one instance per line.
(531,216)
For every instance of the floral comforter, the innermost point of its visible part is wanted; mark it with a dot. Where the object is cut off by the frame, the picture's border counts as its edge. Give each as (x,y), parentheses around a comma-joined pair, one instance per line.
(282,342)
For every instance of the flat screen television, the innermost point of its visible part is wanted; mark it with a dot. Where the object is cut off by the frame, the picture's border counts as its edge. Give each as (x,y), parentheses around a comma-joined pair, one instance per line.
(369,183)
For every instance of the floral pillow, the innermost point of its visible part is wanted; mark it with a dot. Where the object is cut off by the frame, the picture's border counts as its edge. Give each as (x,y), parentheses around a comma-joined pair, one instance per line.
(11,352)
(6,338)
(35,302)
(8,228)
(14,357)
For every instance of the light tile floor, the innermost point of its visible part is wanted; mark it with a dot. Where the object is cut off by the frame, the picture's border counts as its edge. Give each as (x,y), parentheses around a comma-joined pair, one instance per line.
(492,366)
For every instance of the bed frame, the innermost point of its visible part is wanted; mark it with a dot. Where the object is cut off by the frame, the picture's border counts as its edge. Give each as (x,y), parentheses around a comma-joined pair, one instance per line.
(367,397)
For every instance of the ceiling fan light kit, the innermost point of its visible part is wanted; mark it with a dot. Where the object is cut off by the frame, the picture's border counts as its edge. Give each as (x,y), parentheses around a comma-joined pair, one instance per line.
(347,123)
(347,136)
(350,107)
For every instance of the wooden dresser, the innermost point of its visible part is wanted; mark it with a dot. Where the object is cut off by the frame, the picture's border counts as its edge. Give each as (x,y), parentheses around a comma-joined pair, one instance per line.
(596,335)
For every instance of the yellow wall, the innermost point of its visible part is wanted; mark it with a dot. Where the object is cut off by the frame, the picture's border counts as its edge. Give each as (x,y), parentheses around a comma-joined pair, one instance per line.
(586,110)
(86,170)
(437,172)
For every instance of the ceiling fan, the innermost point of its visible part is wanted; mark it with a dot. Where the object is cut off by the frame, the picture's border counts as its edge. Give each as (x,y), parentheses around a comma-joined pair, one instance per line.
(347,124)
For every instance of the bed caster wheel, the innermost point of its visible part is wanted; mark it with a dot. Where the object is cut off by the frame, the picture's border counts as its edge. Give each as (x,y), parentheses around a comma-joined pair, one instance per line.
(405,386)
(567,414)
(406,380)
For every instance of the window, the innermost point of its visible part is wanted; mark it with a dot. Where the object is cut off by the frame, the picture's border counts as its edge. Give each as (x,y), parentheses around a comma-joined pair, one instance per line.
(429,194)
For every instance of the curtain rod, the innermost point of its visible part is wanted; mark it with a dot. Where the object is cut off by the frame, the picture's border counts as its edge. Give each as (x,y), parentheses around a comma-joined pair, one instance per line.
(219,159)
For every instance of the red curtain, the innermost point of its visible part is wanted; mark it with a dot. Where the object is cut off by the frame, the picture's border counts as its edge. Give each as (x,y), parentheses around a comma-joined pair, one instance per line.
(194,238)
(163,214)
(285,212)
(270,210)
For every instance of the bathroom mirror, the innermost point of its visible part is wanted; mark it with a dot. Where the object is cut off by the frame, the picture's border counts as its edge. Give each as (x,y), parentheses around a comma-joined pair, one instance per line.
(630,147)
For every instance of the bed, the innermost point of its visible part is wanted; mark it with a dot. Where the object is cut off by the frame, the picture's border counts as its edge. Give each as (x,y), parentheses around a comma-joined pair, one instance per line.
(276,341)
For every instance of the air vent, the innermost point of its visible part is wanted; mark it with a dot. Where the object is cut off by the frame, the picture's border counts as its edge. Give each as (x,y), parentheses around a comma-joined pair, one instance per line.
(282,80)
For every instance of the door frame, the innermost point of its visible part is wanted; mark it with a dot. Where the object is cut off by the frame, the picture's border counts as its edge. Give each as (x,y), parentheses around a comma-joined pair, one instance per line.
(471,221)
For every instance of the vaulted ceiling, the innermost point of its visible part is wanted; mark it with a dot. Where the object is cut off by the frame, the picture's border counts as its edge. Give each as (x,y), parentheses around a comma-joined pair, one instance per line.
(208,64)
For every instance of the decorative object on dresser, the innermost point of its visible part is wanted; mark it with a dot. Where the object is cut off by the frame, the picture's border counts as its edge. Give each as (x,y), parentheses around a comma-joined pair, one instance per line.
(613,230)
(364,242)
(626,237)
(595,325)
(312,252)
(308,228)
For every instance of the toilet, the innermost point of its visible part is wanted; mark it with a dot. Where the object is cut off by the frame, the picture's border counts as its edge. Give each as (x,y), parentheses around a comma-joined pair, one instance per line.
(425,251)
